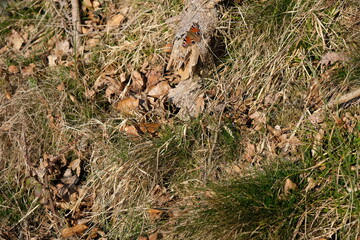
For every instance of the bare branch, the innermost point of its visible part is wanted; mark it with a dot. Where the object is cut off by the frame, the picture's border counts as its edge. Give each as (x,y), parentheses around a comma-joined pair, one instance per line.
(75,15)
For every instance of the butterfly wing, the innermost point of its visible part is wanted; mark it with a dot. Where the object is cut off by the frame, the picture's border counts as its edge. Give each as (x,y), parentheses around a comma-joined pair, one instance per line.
(192,36)
(195,29)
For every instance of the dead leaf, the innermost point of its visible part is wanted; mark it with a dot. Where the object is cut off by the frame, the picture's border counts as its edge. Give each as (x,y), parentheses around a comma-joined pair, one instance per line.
(114,21)
(110,70)
(85,30)
(158,190)
(156,213)
(63,47)
(294,141)
(317,117)
(67,173)
(275,131)
(155,236)
(52,60)
(75,230)
(153,75)
(38,190)
(8,95)
(322,167)
(199,104)
(94,18)
(127,104)
(113,86)
(28,70)
(72,180)
(13,69)
(191,62)
(355,168)
(122,77)
(73,99)
(249,152)
(319,137)
(16,40)
(259,119)
(76,165)
(149,127)
(311,184)
(236,169)
(96,233)
(100,82)
(332,57)
(130,130)
(160,89)
(161,196)
(272,98)
(289,186)
(350,122)
(74,196)
(137,81)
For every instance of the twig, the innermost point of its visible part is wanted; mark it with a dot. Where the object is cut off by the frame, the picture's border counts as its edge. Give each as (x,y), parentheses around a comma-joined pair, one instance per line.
(344,98)
(75,16)
(37,31)
(208,159)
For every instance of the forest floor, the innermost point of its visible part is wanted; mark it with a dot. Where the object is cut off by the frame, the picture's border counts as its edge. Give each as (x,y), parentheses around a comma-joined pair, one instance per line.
(93,147)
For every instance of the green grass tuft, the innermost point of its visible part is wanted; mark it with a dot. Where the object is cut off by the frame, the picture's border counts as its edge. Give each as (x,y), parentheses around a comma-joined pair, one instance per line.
(255,206)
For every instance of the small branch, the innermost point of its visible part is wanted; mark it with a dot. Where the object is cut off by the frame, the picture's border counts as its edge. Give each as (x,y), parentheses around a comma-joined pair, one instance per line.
(343,99)
(75,15)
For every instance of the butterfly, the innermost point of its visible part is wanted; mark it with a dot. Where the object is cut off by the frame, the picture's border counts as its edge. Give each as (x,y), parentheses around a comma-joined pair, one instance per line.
(192,36)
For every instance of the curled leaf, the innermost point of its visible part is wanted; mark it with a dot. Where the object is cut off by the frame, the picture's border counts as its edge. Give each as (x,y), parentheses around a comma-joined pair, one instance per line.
(289,186)
(160,89)
(75,230)
(16,40)
(332,57)
(130,130)
(114,21)
(156,213)
(149,127)
(137,81)
(128,104)
(191,62)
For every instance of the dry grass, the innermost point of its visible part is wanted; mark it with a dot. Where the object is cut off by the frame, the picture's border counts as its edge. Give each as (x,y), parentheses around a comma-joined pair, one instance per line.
(267,63)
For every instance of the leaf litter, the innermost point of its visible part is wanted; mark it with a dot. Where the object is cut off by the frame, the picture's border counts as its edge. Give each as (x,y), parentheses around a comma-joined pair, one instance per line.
(141,93)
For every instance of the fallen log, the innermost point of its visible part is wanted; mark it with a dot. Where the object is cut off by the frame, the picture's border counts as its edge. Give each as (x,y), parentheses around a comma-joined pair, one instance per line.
(191,46)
